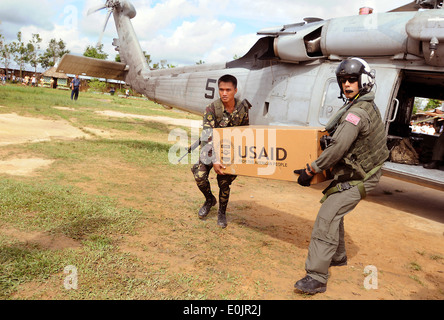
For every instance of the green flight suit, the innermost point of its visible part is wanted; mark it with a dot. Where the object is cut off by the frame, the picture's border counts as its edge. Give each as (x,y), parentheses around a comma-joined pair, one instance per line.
(358,147)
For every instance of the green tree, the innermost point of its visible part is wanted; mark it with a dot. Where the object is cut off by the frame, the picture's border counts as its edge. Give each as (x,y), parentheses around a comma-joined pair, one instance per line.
(33,50)
(433,104)
(5,52)
(20,52)
(97,85)
(95,52)
(147,57)
(55,51)
(163,65)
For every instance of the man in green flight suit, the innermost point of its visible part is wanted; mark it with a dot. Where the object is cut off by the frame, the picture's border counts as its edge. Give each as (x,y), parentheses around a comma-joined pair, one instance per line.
(355,154)
(224,112)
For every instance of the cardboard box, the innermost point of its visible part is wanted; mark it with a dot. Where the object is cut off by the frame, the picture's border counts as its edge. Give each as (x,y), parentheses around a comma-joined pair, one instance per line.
(271,152)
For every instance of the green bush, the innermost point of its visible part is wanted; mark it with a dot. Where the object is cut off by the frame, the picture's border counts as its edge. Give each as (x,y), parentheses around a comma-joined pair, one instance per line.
(96,85)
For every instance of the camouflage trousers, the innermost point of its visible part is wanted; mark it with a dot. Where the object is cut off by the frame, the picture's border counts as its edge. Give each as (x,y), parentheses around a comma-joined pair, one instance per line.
(201,172)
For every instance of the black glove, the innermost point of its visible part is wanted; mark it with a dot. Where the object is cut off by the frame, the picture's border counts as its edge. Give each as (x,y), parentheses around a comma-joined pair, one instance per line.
(325,141)
(304,178)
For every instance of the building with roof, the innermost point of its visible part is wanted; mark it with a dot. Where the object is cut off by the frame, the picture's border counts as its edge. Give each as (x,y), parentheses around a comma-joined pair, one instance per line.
(54,79)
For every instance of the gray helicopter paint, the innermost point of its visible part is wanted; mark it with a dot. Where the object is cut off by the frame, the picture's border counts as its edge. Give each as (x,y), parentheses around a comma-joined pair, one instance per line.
(287,88)
(281,93)
(371,35)
(299,87)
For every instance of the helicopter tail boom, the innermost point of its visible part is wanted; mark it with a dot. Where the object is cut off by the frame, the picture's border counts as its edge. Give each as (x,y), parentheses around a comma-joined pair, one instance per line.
(128,45)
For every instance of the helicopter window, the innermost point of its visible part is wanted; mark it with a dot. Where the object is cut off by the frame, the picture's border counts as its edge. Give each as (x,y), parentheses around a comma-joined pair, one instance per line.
(330,102)
(266,107)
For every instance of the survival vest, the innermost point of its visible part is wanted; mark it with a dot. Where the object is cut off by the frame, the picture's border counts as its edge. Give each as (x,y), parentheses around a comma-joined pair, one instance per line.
(365,156)
(219,112)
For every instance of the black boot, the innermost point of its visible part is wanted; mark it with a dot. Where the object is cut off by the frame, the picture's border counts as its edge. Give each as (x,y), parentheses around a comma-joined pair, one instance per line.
(205,209)
(310,285)
(432,165)
(221,216)
(342,262)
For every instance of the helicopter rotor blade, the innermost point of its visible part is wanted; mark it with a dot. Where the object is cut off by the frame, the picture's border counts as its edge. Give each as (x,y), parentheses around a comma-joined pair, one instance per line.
(95,9)
(412,6)
(108,15)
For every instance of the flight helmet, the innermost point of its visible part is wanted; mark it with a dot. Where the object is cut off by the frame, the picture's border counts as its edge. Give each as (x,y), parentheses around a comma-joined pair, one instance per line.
(359,68)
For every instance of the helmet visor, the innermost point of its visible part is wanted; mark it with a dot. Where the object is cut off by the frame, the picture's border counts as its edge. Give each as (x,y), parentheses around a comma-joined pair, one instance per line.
(350,79)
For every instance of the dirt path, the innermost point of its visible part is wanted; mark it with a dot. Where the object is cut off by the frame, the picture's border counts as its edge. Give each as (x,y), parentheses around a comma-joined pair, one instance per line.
(17,129)
(166,120)
(399,229)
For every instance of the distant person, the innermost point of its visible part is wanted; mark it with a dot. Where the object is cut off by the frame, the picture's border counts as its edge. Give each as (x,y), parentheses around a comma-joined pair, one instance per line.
(75,86)
(431,129)
(438,154)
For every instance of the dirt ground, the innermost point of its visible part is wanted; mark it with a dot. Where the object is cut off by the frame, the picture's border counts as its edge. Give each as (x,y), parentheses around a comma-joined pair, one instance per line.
(398,229)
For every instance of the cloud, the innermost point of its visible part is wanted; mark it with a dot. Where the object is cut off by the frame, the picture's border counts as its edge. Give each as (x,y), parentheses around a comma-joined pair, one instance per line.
(180,31)
(264,13)
(50,19)
(189,42)
(205,32)
(27,12)
(162,16)
(153,22)
(74,42)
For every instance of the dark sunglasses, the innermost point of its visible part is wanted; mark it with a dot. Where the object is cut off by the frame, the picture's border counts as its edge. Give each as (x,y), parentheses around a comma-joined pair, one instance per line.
(349,79)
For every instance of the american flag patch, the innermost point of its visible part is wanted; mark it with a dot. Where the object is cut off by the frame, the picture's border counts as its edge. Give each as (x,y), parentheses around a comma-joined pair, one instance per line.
(352,118)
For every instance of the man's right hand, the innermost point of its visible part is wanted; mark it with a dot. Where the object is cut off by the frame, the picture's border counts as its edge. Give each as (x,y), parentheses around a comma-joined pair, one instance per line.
(305,176)
(218,168)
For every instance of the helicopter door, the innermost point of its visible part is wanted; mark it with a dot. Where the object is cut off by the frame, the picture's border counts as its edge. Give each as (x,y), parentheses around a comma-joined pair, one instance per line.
(408,122)
(289,99)
(416,89)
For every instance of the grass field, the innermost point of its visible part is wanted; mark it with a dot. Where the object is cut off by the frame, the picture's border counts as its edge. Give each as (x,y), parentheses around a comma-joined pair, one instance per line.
(74,201)
(96,202)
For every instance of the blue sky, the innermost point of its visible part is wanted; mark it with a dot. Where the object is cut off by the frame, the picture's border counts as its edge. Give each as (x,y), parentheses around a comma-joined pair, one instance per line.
(179,31)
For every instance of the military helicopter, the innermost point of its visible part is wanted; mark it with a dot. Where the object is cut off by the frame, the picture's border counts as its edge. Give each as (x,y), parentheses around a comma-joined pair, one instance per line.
(289,74)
